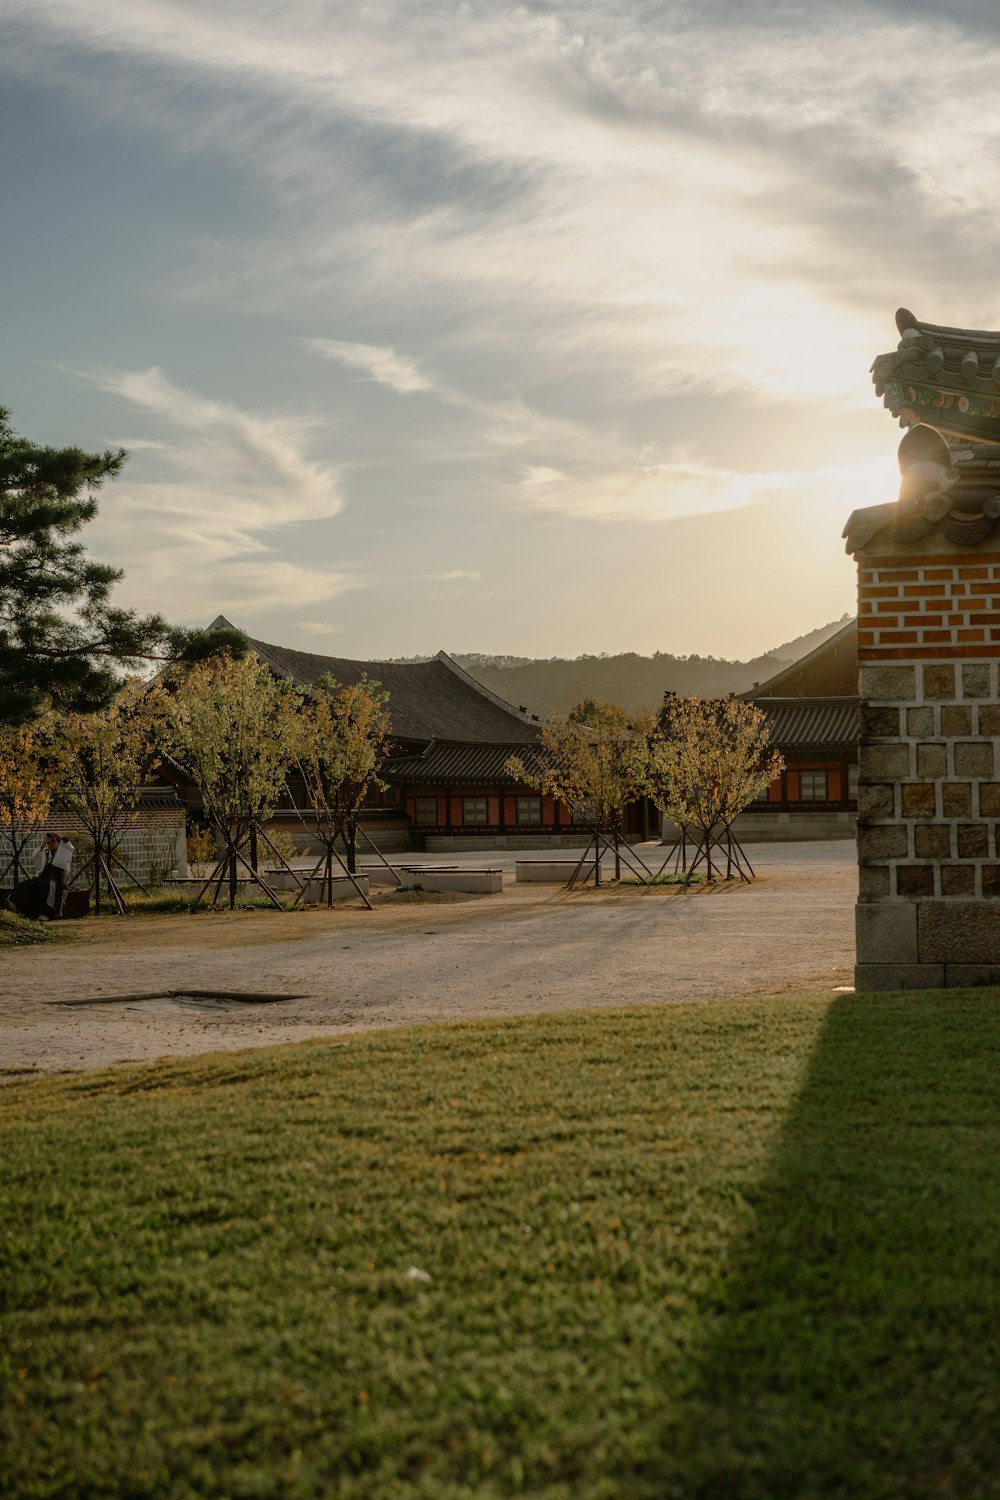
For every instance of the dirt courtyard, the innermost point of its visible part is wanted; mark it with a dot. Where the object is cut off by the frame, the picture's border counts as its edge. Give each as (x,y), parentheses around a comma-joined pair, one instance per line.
(423,958)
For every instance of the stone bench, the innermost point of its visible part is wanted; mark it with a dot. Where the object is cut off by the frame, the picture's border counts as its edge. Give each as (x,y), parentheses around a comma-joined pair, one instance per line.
(379,875)
(452,878)
(76,902)
(556,870)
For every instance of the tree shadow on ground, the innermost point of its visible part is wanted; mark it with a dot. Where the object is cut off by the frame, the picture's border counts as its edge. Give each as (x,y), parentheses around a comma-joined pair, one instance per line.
(856,1349)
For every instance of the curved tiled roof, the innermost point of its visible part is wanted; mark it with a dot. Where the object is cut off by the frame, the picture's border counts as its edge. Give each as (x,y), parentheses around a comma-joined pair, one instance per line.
(455,762)
(428,700)
(949,377)
(828,670)
(797,724)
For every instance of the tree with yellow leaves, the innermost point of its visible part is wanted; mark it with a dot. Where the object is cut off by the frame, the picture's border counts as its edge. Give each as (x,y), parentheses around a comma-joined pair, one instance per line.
(709,760)
(594,761)
(103,760)
(25,790)
(233,732)
(343,738)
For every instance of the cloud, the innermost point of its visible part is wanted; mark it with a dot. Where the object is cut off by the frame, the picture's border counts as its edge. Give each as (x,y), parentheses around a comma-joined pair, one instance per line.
(195,518)
(316,627)
(651,493)
(379,364)
(723,200)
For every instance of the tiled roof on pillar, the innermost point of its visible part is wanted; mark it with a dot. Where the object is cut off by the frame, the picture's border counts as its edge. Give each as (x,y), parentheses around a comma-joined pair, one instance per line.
(949,488)
(948,377)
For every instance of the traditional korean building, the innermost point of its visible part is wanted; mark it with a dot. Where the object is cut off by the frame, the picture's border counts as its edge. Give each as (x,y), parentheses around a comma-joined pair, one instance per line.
(451,738)
(814,719)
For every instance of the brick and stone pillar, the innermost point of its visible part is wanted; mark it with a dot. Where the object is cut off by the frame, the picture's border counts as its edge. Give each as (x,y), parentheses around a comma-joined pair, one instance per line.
(928,911)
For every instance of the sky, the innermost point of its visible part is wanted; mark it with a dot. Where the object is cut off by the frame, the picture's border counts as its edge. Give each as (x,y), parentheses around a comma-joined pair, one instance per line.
(541,329)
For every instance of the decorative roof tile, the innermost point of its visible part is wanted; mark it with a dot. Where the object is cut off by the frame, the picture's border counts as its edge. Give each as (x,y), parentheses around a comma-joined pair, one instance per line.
(948,377)
(952,489)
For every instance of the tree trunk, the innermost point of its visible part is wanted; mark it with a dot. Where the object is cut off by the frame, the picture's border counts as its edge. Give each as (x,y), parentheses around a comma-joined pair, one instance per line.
(232,880)
(351,844)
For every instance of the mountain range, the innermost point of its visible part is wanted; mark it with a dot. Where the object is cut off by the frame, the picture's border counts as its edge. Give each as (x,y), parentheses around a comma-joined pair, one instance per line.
(544,684)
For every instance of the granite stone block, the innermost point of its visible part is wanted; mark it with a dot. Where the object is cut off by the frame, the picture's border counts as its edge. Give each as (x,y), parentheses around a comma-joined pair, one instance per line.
(957,932)
(873,882)
(876,801)
(932,760)
(917,799)
(991,881)
(878,722)
(970,976)
(989,799)
(884,684)
(883,762)
(939,681)
(958,880)
(920,722)
(914,880)
(973,841)
(956,799)
(976,680)
(878,844)
(989,718)
(973,758)
(869,977)
(956,720)
(886,932)
(932,840)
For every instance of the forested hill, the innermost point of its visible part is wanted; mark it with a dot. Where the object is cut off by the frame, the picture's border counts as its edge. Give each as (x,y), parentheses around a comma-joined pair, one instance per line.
(556,683)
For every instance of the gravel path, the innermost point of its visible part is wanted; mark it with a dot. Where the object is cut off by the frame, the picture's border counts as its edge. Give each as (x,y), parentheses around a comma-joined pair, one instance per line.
(532,948)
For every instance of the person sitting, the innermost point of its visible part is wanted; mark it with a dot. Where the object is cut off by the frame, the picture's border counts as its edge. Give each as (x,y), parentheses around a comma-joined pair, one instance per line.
(41,898)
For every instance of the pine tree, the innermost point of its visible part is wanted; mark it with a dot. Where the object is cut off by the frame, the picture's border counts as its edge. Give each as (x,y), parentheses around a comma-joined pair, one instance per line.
(62,643)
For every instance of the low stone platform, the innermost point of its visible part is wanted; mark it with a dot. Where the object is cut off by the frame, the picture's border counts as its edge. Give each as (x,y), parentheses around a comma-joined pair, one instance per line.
(555,870)
(452,878)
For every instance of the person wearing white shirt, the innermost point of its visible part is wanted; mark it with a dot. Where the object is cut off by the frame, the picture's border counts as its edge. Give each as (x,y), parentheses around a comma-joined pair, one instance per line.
(42,897)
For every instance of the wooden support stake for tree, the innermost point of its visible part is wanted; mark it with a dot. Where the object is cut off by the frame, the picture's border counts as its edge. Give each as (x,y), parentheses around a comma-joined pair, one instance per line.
(372,845)
(640,873)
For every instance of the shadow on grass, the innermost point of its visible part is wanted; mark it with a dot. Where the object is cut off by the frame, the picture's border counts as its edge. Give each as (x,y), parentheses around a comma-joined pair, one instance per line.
(856,1349)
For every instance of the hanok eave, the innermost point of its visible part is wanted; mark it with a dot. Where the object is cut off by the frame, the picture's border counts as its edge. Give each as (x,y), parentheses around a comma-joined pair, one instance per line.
(813,716)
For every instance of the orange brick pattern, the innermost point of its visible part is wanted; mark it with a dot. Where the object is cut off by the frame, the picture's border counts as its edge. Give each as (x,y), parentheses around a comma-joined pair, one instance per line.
(929,608)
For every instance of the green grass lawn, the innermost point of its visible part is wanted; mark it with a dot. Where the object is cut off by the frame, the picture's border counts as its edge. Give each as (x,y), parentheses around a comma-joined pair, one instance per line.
(742,1249)
(18,932)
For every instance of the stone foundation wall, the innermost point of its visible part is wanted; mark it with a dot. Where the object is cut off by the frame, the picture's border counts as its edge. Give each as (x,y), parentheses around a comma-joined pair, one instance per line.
(928,909)
(781,827)
(152,844)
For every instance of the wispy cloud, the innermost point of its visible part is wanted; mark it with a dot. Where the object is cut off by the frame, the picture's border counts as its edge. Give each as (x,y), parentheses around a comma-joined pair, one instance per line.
(651,493)
(197,512)
(379,364)
(559,235)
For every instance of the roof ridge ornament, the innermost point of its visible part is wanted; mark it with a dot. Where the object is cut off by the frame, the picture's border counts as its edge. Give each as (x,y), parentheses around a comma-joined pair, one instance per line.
(940,384)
